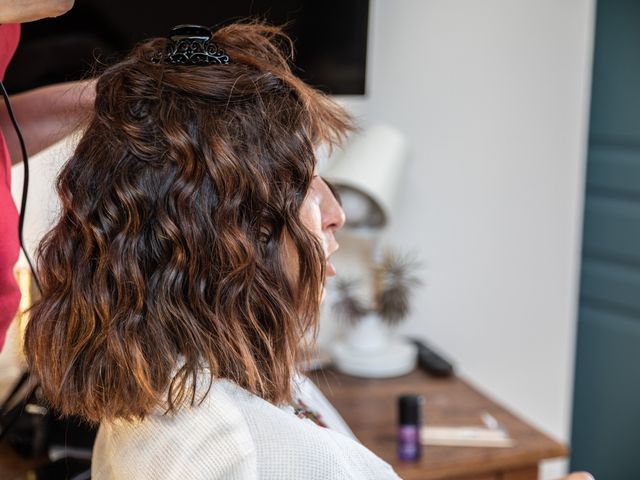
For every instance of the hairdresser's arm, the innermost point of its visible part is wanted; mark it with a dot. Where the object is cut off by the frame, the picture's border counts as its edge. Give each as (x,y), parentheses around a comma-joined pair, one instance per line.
(578,476)
(21,11)
(47,115)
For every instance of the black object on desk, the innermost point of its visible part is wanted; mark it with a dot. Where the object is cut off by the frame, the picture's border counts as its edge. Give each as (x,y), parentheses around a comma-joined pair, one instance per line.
(431,361)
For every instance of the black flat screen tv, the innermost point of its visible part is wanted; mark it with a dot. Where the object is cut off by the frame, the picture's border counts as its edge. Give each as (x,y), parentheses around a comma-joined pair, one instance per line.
(330,37)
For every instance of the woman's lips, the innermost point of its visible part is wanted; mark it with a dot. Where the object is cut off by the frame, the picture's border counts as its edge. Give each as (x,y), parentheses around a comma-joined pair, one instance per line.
(331,270)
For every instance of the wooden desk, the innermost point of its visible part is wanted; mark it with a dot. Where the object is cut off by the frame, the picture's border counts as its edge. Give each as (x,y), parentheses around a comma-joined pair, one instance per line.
(369,407)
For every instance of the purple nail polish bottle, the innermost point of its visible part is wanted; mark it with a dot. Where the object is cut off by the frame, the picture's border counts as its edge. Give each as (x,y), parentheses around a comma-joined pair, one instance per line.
(410,421)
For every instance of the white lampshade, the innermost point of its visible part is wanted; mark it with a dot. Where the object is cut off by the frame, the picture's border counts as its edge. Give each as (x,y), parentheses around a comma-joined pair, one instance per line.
(367,173)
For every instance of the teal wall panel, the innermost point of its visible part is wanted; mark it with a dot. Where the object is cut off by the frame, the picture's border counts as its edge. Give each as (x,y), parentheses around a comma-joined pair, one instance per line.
(615,100)
(612,227)
(605,437)
(613,170)
(611,285)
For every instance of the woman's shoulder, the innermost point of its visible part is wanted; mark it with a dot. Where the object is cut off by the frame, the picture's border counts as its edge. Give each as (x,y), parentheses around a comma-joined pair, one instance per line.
(208,440)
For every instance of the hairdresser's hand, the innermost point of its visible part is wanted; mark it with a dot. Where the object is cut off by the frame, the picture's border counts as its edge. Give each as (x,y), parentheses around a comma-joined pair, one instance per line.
(21,11)
(578,476)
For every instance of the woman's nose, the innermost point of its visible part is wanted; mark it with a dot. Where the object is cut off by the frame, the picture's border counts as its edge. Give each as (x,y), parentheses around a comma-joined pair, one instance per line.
(333,214)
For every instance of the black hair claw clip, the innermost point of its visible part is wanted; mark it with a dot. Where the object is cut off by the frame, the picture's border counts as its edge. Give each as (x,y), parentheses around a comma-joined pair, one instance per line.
(191,45)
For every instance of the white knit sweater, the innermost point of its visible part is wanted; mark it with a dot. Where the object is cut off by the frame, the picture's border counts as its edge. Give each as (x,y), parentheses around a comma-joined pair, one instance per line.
(234,434)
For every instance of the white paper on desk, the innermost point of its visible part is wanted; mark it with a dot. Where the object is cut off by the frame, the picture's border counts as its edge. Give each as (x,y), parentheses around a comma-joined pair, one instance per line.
(465,437)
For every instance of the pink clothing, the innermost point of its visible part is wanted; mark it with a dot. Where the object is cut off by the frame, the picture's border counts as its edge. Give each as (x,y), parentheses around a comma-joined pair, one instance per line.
(9,242)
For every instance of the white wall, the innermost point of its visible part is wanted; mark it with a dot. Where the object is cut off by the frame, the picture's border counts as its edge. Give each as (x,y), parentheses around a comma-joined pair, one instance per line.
(493,97)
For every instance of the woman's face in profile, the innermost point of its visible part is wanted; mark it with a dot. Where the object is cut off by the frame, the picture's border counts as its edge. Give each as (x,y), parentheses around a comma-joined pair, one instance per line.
(322,214)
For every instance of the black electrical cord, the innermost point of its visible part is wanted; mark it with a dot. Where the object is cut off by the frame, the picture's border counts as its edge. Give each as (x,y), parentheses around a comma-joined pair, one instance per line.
(25,183)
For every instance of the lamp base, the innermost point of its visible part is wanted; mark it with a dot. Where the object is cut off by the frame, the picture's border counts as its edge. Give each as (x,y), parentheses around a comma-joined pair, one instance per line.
(397,358)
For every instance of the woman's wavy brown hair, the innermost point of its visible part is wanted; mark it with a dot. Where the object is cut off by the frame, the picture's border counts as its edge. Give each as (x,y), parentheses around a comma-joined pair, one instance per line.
(168,258)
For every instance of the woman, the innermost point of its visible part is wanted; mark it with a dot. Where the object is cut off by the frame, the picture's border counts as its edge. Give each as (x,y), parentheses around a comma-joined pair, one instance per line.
(188,265)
